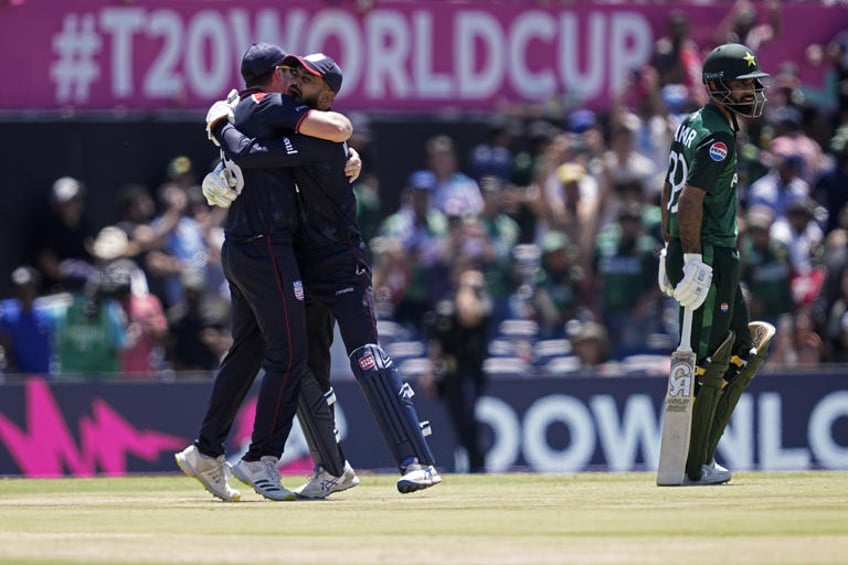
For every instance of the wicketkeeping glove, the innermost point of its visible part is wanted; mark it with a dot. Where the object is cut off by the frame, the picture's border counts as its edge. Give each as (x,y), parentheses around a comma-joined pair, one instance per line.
(220,110)
(233,98)
(235,178)
(223,185)
(662,276)
(695,285)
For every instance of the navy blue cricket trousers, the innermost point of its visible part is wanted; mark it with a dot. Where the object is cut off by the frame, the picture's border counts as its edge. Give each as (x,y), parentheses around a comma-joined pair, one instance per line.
(338,285)
(269,331)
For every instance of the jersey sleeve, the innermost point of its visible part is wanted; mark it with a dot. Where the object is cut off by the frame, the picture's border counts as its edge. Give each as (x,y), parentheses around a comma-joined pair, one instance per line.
(270,153)
(711,157)
(280,112)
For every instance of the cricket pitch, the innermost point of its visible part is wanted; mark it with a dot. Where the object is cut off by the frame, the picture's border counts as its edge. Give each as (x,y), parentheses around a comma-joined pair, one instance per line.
(469,519)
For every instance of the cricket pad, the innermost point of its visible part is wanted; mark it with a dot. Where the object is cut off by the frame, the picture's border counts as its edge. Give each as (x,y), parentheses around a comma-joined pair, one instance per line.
(317,420)
(703,413)
(738,378)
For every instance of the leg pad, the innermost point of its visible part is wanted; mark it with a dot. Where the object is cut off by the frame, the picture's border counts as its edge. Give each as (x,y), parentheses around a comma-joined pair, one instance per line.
(390,400)
(706,401)
(316,419)
(738,377)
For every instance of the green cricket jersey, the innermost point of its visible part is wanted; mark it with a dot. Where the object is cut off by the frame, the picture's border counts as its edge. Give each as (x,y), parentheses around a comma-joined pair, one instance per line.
(703,154)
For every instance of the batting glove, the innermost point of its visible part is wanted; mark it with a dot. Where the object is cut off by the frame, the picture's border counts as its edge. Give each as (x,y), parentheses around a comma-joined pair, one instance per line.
(695,285)
(662,277)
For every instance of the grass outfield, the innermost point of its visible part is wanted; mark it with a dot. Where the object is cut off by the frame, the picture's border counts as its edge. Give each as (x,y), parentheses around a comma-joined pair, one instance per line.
(468,519)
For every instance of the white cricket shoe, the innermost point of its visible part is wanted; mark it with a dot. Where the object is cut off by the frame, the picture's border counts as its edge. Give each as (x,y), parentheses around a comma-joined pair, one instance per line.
(321,484)
(209,471)
(712,474)
(263,476)
(720,470)
(417,477)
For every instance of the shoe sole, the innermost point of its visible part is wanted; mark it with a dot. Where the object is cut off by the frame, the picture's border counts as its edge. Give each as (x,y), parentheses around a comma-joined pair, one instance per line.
(289,497)
(186,468)
(406,487)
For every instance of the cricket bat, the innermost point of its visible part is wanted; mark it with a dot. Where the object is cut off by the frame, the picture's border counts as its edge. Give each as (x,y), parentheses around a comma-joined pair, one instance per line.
(677,416)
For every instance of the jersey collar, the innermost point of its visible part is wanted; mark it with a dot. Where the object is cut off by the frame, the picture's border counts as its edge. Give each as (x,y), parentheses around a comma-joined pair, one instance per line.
(734,125)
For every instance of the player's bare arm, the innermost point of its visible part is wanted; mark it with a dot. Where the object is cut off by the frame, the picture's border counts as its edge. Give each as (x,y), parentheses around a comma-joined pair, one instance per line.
(329,125)
(666,191)
(690,213)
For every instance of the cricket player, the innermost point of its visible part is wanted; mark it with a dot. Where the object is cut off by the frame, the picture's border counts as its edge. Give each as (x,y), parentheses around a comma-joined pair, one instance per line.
(269,319)
(700,264)
(337,279)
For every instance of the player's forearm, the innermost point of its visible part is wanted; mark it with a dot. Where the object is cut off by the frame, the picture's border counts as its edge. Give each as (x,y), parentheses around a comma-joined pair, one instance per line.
(690,235)
(690,213)
(331,126)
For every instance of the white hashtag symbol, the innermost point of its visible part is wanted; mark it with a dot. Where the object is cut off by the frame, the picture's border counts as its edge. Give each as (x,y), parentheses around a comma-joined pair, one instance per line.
(75,69)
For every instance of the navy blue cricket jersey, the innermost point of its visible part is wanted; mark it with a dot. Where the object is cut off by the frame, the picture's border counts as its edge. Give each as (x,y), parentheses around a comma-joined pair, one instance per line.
(268,206)
(328,209)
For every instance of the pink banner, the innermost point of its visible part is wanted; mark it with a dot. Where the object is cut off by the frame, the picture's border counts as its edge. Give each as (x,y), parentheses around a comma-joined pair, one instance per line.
(402,55)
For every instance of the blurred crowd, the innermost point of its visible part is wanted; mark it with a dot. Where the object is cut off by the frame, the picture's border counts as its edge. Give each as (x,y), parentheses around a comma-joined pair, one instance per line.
(143,296)
(555,212)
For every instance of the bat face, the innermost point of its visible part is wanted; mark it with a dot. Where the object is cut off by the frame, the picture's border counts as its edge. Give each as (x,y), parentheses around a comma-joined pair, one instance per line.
(680,381)
(677,419)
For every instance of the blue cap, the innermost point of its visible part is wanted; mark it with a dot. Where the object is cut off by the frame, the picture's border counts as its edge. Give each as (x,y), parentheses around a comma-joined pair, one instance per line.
(259,60)
(319,65)
(422,180)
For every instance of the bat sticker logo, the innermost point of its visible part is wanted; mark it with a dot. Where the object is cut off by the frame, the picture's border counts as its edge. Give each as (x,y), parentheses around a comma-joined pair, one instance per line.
(679,386)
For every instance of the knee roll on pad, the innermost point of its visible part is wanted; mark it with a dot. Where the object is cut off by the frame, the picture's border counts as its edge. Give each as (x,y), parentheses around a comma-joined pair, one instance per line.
(390,400)
(318,423)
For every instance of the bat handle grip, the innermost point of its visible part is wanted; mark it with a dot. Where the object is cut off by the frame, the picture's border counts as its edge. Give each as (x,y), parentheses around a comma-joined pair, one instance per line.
(686,331)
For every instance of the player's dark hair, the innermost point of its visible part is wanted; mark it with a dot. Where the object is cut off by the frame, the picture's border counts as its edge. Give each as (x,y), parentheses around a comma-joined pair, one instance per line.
(261,80)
